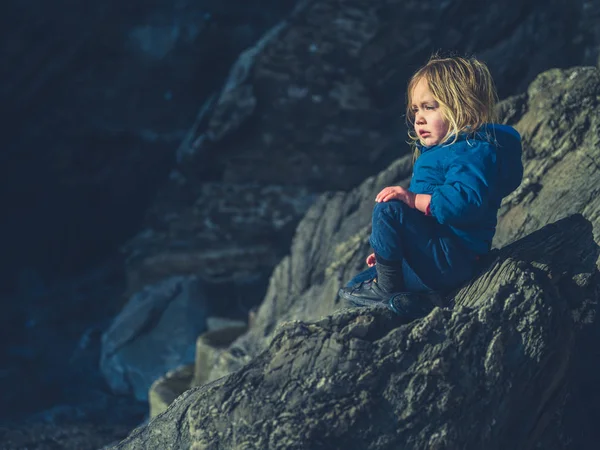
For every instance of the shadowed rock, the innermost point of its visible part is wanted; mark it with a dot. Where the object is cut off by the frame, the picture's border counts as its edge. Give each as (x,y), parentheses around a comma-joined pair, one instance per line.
(317,105)
(360,379)
(209,346)
(559,118)
(496,372)
(168,387)
(331,241)
(154,333)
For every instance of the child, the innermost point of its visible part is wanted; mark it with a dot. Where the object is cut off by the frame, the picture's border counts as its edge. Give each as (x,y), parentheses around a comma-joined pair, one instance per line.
(429,237)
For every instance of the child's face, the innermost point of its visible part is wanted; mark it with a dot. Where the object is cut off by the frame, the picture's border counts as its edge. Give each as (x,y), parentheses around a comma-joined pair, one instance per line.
(429,123)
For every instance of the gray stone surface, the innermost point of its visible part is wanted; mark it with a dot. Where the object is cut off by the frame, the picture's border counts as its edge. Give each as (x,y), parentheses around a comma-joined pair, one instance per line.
(155,332)
(331,64)
(360,379)
(67,436)
(559,118)
(316,105)
(168,387)
(513,365)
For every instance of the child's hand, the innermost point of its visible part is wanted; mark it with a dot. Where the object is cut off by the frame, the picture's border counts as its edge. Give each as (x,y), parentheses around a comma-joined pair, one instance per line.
(371,260)
(396,192)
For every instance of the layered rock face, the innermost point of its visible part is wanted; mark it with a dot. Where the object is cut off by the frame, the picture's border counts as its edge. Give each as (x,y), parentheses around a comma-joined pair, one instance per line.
(133,350)
(317,104)
(508,367)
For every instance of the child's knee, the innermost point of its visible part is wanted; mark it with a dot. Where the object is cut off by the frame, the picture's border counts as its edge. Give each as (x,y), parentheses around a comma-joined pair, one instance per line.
(393,209)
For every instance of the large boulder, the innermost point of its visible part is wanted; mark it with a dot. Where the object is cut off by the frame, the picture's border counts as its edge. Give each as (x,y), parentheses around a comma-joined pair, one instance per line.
(502,370)
(155,333)
(331,242)
(317,104)
(486,375)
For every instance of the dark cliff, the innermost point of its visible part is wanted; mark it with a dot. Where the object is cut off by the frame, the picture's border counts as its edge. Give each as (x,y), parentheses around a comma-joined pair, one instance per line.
(504,369)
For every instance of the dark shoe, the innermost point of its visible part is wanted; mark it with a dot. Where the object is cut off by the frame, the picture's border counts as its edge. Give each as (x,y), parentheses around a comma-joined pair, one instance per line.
(414,305)
(366,293)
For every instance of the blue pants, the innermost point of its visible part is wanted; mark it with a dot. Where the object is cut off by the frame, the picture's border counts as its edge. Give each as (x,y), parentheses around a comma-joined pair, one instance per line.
(432,257)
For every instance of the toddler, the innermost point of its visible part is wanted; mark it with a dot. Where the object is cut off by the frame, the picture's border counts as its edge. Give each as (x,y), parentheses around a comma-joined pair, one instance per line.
(427,239)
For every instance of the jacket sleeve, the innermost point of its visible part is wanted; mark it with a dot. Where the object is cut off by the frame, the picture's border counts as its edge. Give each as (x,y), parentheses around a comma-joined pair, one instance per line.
(464,196)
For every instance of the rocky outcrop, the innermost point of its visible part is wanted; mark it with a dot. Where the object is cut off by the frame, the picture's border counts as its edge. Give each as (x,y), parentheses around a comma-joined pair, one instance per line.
(492,373)
(125,155)
(327,63)
(360,379)
(155,333)
(168,387)
(332,240)
(316,105)
(559,118)
(232,235)
(209,347)
(95,98)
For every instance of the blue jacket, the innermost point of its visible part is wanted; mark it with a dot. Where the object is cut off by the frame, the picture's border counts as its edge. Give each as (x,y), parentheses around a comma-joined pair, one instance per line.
(468,180)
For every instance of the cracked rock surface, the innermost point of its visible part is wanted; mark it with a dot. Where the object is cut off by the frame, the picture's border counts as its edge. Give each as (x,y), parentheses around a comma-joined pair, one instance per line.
(508,367)
(361,379)
(316,105)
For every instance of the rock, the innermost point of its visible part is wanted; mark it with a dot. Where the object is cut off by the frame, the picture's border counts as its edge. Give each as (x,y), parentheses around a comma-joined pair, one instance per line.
(154,334)
(65,436)
(50,343)
(327,63)
(317,105)
(218,323)
(168,387)
(332,240)
(510,367)
(210,347)
(361,379)
(329,247)
(232,235)
(559,117)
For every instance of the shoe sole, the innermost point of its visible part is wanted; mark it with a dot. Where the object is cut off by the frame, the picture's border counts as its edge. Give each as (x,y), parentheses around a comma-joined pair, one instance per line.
(364,303)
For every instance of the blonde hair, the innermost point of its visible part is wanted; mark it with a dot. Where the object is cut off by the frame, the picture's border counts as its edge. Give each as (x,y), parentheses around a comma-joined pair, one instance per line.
(465,90)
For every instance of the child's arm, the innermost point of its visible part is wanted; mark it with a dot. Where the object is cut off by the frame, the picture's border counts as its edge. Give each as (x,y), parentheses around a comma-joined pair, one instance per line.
(419,201)
(423,203)
(396,193)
